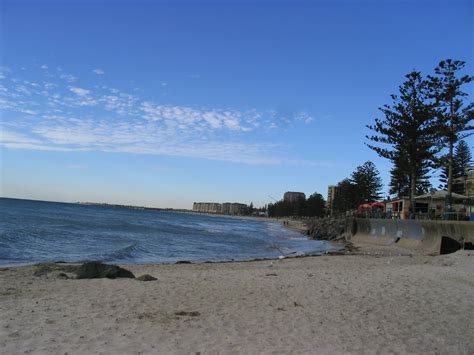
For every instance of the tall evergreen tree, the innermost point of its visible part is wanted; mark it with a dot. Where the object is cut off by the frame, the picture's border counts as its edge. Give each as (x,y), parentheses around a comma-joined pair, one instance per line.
(462,158)
(315,205)
(454,116)
(368,183)
(409,130)
(346,196)
(400,178)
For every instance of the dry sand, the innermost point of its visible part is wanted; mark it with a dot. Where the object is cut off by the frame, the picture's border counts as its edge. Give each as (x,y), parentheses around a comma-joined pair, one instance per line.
(327,304)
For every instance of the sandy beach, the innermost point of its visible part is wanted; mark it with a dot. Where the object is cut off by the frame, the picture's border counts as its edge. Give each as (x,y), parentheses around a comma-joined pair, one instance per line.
(327,304)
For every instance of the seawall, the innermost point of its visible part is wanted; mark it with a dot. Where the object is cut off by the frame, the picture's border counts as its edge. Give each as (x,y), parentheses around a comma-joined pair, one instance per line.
(427,237)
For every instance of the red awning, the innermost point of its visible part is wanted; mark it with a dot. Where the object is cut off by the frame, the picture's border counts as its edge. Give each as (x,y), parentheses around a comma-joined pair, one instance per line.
(378,204)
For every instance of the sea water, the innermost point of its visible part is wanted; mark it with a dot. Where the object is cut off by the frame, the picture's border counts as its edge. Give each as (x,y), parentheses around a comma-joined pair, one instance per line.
(38,231)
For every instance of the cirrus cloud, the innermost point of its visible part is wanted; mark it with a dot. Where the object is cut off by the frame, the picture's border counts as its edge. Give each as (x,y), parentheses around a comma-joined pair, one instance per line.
(51,114)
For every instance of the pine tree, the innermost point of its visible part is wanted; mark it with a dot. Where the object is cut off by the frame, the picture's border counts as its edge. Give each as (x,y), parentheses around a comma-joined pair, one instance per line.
(346,197)
(462,158)
(368,183)
(410,132)
(454,117)
(400,179)
(315,205)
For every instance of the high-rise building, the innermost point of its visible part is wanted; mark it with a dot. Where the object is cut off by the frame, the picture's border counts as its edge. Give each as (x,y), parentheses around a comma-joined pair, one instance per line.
(207,207)
(224,208)
(291,196)
(330,199)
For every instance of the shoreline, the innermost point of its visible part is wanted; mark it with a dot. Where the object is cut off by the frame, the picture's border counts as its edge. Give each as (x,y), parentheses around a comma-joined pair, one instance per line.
(357,303)
(297,226)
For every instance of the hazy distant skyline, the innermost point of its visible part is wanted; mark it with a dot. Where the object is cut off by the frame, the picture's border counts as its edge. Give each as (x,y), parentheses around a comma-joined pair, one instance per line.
(165,103)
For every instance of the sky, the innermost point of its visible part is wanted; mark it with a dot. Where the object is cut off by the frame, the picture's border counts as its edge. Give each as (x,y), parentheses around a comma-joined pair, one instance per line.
(162,103)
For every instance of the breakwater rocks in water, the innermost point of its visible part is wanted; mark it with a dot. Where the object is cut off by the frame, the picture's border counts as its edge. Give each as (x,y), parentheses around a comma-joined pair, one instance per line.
(327,228)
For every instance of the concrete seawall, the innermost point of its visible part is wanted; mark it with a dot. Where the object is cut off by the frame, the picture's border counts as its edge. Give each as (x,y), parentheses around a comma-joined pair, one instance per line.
(430,237)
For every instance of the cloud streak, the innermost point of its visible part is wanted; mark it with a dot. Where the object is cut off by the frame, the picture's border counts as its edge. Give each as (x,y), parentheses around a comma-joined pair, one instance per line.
(51,113)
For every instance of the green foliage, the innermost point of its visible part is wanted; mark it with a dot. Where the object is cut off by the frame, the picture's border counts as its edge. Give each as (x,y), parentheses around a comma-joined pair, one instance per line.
(453,114)
(364,186)
(462,158)
(400,180)
(314,206)
(345,198)
(368,183)
(408,135)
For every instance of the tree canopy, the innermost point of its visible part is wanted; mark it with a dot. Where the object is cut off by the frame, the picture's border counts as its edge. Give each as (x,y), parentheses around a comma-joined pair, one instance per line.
(314,206)
(454,116)
(364,186)
(408,135)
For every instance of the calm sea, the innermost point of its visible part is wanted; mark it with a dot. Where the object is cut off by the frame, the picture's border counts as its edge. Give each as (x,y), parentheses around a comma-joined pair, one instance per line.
(35,231)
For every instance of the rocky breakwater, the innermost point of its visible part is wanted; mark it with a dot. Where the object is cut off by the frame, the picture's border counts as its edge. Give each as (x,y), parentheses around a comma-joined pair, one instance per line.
(328,228)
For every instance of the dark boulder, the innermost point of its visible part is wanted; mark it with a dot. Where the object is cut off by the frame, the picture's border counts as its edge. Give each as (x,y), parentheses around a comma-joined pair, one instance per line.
(146,277)
(96,270)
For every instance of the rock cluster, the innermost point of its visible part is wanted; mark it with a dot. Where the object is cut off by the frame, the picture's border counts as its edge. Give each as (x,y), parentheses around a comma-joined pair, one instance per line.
(327,228)
(88,270)
(95,270)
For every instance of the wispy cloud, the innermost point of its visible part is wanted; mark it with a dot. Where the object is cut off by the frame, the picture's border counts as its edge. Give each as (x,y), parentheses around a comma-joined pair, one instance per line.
(51,114)
(79,91)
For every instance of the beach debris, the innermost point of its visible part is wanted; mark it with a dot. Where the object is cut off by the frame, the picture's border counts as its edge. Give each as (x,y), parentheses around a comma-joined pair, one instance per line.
(146,277)
(296,304)
(97,270)
(183,262)
(271,274)
(187,313)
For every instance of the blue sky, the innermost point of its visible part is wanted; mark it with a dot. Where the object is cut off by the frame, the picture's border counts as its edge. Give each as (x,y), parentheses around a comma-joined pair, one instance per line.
(168,102)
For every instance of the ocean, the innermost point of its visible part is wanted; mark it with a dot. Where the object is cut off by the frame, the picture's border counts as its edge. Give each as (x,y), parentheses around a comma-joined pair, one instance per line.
(38,231)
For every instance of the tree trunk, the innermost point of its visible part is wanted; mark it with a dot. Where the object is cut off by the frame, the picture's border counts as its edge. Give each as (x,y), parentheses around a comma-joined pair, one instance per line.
(450,169)
(451,146)
(412,195)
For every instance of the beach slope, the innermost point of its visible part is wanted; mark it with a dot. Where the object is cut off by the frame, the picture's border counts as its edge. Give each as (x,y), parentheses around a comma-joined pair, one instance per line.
(326,304)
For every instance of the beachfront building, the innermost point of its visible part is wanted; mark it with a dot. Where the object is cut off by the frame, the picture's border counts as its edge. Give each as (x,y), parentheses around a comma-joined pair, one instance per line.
(430,206)
(233,208)
(398,208)
(469,181)
(207,207)
(224,208)
(434,204)
(469,189)
(291,196)
(330,199)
